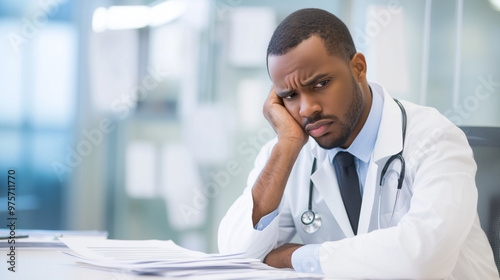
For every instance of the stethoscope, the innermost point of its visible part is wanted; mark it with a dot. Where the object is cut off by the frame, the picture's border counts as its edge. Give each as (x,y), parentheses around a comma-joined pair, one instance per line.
(311,221)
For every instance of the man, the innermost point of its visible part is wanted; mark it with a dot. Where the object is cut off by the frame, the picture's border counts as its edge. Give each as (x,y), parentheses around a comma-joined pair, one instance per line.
(362,225)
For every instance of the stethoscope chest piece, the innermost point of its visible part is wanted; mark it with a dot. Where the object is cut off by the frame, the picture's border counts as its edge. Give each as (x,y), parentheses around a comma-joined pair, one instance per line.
(311,221)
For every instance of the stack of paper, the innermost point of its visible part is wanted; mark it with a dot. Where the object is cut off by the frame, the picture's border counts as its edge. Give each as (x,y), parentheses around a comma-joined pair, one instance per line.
(166,258)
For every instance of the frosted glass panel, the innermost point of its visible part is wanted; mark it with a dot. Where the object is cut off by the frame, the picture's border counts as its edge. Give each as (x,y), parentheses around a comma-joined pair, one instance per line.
(113,71)
(451,66)
(54,66)
(11,148)
(10,78)
(141,170)
(386,55)
(479,99)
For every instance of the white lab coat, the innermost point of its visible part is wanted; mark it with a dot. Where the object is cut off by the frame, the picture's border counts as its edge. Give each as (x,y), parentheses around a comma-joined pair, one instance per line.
(435,232)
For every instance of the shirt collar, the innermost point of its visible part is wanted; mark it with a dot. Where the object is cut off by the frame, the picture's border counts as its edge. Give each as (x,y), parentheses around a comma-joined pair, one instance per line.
(363,144)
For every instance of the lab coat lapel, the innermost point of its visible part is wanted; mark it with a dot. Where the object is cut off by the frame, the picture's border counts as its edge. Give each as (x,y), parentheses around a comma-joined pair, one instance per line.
(389,142)
(325,181)
(390,133)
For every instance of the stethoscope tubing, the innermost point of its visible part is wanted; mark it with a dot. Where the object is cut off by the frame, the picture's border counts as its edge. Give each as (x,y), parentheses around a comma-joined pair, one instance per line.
(311,185)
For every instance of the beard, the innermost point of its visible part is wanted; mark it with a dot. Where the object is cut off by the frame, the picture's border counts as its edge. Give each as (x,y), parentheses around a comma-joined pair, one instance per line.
(350,121)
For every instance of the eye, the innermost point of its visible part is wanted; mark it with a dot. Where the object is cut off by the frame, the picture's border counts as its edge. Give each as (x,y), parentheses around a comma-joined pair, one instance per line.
(321,84)
(290,96)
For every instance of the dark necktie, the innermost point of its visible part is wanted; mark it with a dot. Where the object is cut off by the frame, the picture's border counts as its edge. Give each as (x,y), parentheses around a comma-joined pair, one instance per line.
(349,186)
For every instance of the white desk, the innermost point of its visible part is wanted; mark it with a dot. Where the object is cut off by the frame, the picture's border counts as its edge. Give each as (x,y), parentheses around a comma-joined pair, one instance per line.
(41,264)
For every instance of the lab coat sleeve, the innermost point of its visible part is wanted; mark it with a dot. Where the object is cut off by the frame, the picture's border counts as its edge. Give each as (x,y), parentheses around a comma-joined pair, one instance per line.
(427,240)
(236,231)
(266,220)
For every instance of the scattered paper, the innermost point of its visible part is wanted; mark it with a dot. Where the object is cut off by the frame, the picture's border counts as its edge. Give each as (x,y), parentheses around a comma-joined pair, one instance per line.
(154,257)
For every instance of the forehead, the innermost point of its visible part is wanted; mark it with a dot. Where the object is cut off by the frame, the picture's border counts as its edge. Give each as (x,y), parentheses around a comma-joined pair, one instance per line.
(310,57)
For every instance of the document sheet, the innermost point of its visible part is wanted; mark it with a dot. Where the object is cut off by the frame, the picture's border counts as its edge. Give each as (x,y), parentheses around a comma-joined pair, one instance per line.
(166,258)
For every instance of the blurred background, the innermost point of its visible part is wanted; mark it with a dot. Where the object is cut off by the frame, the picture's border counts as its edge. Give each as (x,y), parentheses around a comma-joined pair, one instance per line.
(142,118)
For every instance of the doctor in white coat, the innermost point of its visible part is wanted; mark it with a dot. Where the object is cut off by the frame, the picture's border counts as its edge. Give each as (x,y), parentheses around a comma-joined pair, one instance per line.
(321,104)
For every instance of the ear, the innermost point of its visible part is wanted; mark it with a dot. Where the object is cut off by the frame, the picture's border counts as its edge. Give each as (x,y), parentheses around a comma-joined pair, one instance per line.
(358,67)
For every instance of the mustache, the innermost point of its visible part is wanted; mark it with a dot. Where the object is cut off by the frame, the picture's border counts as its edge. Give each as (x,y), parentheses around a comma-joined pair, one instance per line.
(319,118)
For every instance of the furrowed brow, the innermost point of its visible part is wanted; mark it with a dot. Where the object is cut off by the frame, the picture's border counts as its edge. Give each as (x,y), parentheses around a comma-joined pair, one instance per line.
(313,80)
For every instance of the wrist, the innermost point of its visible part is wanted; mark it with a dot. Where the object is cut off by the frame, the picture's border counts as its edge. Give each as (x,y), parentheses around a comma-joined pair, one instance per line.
(281,257)
(293,247)
(291,144)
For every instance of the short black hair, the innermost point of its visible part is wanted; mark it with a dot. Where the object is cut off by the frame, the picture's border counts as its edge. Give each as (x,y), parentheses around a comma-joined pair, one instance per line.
(302,24)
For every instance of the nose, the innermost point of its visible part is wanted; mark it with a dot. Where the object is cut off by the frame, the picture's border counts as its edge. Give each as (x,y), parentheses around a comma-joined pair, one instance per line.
(309,106)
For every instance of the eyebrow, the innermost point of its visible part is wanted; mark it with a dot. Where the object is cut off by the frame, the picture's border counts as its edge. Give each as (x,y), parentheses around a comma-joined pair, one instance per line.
(308,82)
(313,80)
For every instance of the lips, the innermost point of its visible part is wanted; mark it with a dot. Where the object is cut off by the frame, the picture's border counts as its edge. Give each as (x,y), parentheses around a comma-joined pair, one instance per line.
(318,128)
